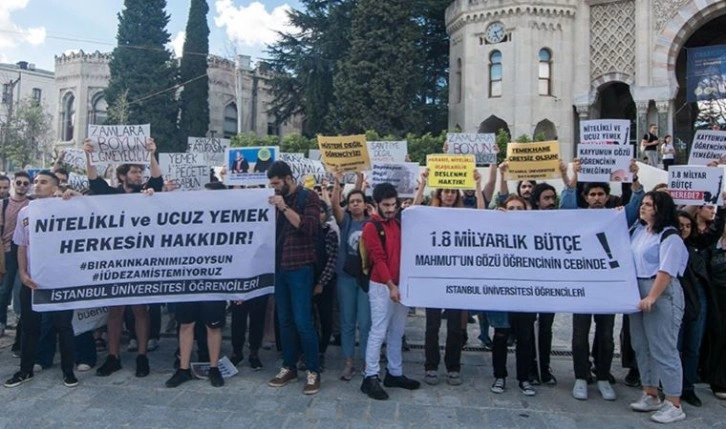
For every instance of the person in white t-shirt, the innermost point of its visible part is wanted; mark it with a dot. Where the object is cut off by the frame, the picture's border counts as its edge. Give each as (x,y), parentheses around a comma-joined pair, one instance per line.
(45,185)
(668,151)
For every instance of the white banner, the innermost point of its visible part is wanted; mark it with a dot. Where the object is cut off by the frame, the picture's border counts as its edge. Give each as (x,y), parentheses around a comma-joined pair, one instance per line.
(75,157)
(390,152)
(605,163)
(78,182)
(403,176)
(188,171)
(305,168)
(315,154)
(570,261)
(708,146)
(291,156)
(605,131)
(695,185)
(89,319)
(483,146)
(248,165)
(212,148)
(136,249)
(119,144)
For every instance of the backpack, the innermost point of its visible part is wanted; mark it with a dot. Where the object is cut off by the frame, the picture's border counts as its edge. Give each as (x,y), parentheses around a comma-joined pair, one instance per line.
(359,266)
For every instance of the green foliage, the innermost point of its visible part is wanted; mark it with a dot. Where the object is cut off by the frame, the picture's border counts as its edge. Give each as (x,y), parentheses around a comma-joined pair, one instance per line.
(298,143)
(142,68)
(194,98)
(503,140)
(420,146)
(27,136)
(377,84)
(250,139)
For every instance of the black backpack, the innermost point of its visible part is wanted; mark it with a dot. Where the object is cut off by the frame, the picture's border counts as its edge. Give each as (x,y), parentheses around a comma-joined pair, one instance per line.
(359,266)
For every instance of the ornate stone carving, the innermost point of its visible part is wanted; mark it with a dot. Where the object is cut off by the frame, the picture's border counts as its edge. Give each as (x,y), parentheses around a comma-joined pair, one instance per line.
(612,38)
(664,10)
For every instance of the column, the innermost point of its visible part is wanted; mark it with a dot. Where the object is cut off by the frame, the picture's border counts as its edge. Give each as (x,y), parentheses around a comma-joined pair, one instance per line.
(641,124)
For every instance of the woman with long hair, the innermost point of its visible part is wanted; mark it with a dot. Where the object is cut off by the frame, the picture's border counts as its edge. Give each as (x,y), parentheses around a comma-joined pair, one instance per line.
(668,152)
(660,258)
(455,319)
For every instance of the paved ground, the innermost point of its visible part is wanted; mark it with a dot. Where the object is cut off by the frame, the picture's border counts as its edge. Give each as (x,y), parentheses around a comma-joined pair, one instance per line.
(246,401)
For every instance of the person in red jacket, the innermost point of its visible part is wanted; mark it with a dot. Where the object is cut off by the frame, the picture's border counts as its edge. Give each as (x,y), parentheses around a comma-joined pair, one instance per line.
(388,315)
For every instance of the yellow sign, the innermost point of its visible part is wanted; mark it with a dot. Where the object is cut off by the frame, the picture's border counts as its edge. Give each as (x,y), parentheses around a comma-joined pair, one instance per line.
(536,160)
(451,171)
(346,153)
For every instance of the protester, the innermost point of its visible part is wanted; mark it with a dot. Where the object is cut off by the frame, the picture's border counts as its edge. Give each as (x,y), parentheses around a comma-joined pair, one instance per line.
(45,186)
(505,324)
(388,315)
(11,286)
(596,195)
(326,252)
(130,181)
(4,186)
(213,315)
(298,213)
(715,371)
(660,257)
(455,319)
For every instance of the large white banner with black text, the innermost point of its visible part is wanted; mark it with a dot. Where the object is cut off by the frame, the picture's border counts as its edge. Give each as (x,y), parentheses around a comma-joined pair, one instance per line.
(134,249)
(572,261)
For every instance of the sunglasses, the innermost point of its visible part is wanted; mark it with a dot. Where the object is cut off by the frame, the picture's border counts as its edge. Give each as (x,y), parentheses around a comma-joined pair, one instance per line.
(22,183)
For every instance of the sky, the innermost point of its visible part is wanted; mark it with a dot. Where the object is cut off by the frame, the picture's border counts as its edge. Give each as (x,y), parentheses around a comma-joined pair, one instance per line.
(37,30)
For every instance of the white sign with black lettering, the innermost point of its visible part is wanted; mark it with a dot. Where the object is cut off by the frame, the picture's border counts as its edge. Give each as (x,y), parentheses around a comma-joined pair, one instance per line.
(605,163)
(483,146)
(187,171)
(78,182)
(389,152)
(119,144)
(89,319)
(213,149)
(708,145)
(137,249)
(695,185)
(605,131)
(403,176)
(568,261)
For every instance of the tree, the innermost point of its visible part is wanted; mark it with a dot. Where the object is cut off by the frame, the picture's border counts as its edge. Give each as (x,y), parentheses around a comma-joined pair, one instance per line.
(27,135)
(143,69)
(377,84)
(304,62)
(194,98)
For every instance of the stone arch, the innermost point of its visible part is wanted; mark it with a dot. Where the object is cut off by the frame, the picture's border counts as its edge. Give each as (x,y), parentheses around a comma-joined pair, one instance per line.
(607,78)
(674,35)
(493,124)
(547,128)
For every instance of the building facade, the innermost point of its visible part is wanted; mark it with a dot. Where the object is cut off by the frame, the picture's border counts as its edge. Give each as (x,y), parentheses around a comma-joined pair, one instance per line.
(540,66)
(239,97)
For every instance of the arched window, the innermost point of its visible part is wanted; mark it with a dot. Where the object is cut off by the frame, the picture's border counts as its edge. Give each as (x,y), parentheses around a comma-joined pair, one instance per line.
(230,120)
(495,74)
(98,109)
(69,116)
(545,72)
(459,81)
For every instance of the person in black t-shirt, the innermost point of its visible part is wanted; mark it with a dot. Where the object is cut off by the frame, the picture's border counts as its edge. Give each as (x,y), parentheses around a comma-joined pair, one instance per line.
(649,145)
(130,180)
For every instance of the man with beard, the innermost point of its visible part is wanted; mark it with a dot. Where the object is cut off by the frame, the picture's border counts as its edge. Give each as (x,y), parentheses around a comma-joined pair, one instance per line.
(596,196)
(130,181)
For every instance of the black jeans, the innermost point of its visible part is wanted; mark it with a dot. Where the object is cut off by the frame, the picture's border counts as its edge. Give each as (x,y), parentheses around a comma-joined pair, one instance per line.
(254,309)
(31,334)
(522,324)
(627,354)
(323,312)
(544,343)
(8,281)
(603,352)
(454,340)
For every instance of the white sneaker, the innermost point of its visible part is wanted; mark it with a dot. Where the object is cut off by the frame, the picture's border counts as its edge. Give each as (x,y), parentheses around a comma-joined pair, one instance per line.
(133,346)
(720,395)
(83,367)
(579,391)
(606,390)
(668,413)
(646,403)
(432,378)
(37,368)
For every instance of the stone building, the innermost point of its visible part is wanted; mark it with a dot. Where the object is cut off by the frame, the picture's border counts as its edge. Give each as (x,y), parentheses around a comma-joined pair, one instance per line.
(541,66)
(239,97)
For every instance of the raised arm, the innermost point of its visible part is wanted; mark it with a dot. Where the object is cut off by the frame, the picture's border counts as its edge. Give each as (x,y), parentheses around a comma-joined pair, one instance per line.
(480,199)
(338,212)
(154,168)
(418,199)
(91,170)
(491,183)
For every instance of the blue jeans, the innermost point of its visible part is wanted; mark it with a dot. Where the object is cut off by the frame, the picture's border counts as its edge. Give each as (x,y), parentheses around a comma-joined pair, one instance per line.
(483,327)
(294,300)
(689,342)
(354,308)
(10,287)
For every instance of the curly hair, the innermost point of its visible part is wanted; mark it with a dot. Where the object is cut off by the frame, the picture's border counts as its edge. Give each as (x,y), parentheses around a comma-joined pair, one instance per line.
(665,211)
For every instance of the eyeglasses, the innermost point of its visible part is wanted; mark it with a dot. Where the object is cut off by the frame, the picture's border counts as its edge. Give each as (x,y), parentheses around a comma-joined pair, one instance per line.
(22,183)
